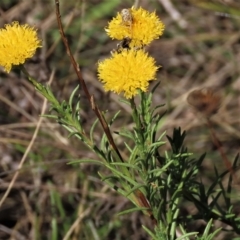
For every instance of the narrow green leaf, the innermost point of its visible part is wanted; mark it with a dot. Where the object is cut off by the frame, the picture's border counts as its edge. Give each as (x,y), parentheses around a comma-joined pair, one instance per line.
(136,209)
(92,129)
(70,102)
(86,160)
(150,233)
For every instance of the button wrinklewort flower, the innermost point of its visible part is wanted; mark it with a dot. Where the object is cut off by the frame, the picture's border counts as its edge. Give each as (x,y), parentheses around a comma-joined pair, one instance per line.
(144,28)
(17,43)
(127,72)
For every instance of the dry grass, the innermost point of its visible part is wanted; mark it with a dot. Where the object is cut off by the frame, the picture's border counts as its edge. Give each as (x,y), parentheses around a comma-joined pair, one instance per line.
(50,198)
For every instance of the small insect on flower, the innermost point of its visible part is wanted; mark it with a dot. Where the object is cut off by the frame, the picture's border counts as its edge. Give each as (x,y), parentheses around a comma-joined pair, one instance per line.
(205,101)
(141,26)
(124,44)
(127,18)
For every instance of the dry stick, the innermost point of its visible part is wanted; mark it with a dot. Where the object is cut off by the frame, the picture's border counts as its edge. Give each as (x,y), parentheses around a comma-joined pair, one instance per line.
(83,84)
(173,12)
(9,231)
(76,226)
(85,89)
(30,187)
(17,109)
(76,223)
(217,143)
(30,214)
(27,150)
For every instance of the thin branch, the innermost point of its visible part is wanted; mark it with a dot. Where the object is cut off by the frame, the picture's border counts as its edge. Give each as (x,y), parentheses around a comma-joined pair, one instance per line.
(173,12)
(83,84)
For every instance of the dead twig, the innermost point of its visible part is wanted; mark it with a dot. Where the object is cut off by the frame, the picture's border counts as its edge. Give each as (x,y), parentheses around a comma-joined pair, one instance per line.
(83,84)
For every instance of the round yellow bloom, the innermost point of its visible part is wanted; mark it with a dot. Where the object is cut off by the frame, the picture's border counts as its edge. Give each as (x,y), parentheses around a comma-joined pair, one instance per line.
(144,28)
(17,43)
(127,72)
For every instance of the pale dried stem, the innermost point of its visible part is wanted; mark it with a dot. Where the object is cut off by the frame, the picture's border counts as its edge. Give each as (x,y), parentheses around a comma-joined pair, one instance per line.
(27,150)
(173,12)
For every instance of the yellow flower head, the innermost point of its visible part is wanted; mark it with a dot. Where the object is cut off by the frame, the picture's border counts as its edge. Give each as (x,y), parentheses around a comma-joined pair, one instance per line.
(141,26)
(17,43)
(127,72)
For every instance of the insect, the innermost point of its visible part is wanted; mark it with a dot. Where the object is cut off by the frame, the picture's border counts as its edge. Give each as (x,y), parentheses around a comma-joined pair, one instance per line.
(127,18)
(124,44)
(205,100)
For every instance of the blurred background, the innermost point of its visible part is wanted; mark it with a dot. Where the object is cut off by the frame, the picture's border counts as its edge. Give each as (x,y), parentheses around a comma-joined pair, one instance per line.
(199,48)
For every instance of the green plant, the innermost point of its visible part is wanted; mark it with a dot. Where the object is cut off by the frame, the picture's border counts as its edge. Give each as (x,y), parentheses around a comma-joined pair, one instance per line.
(155,182)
